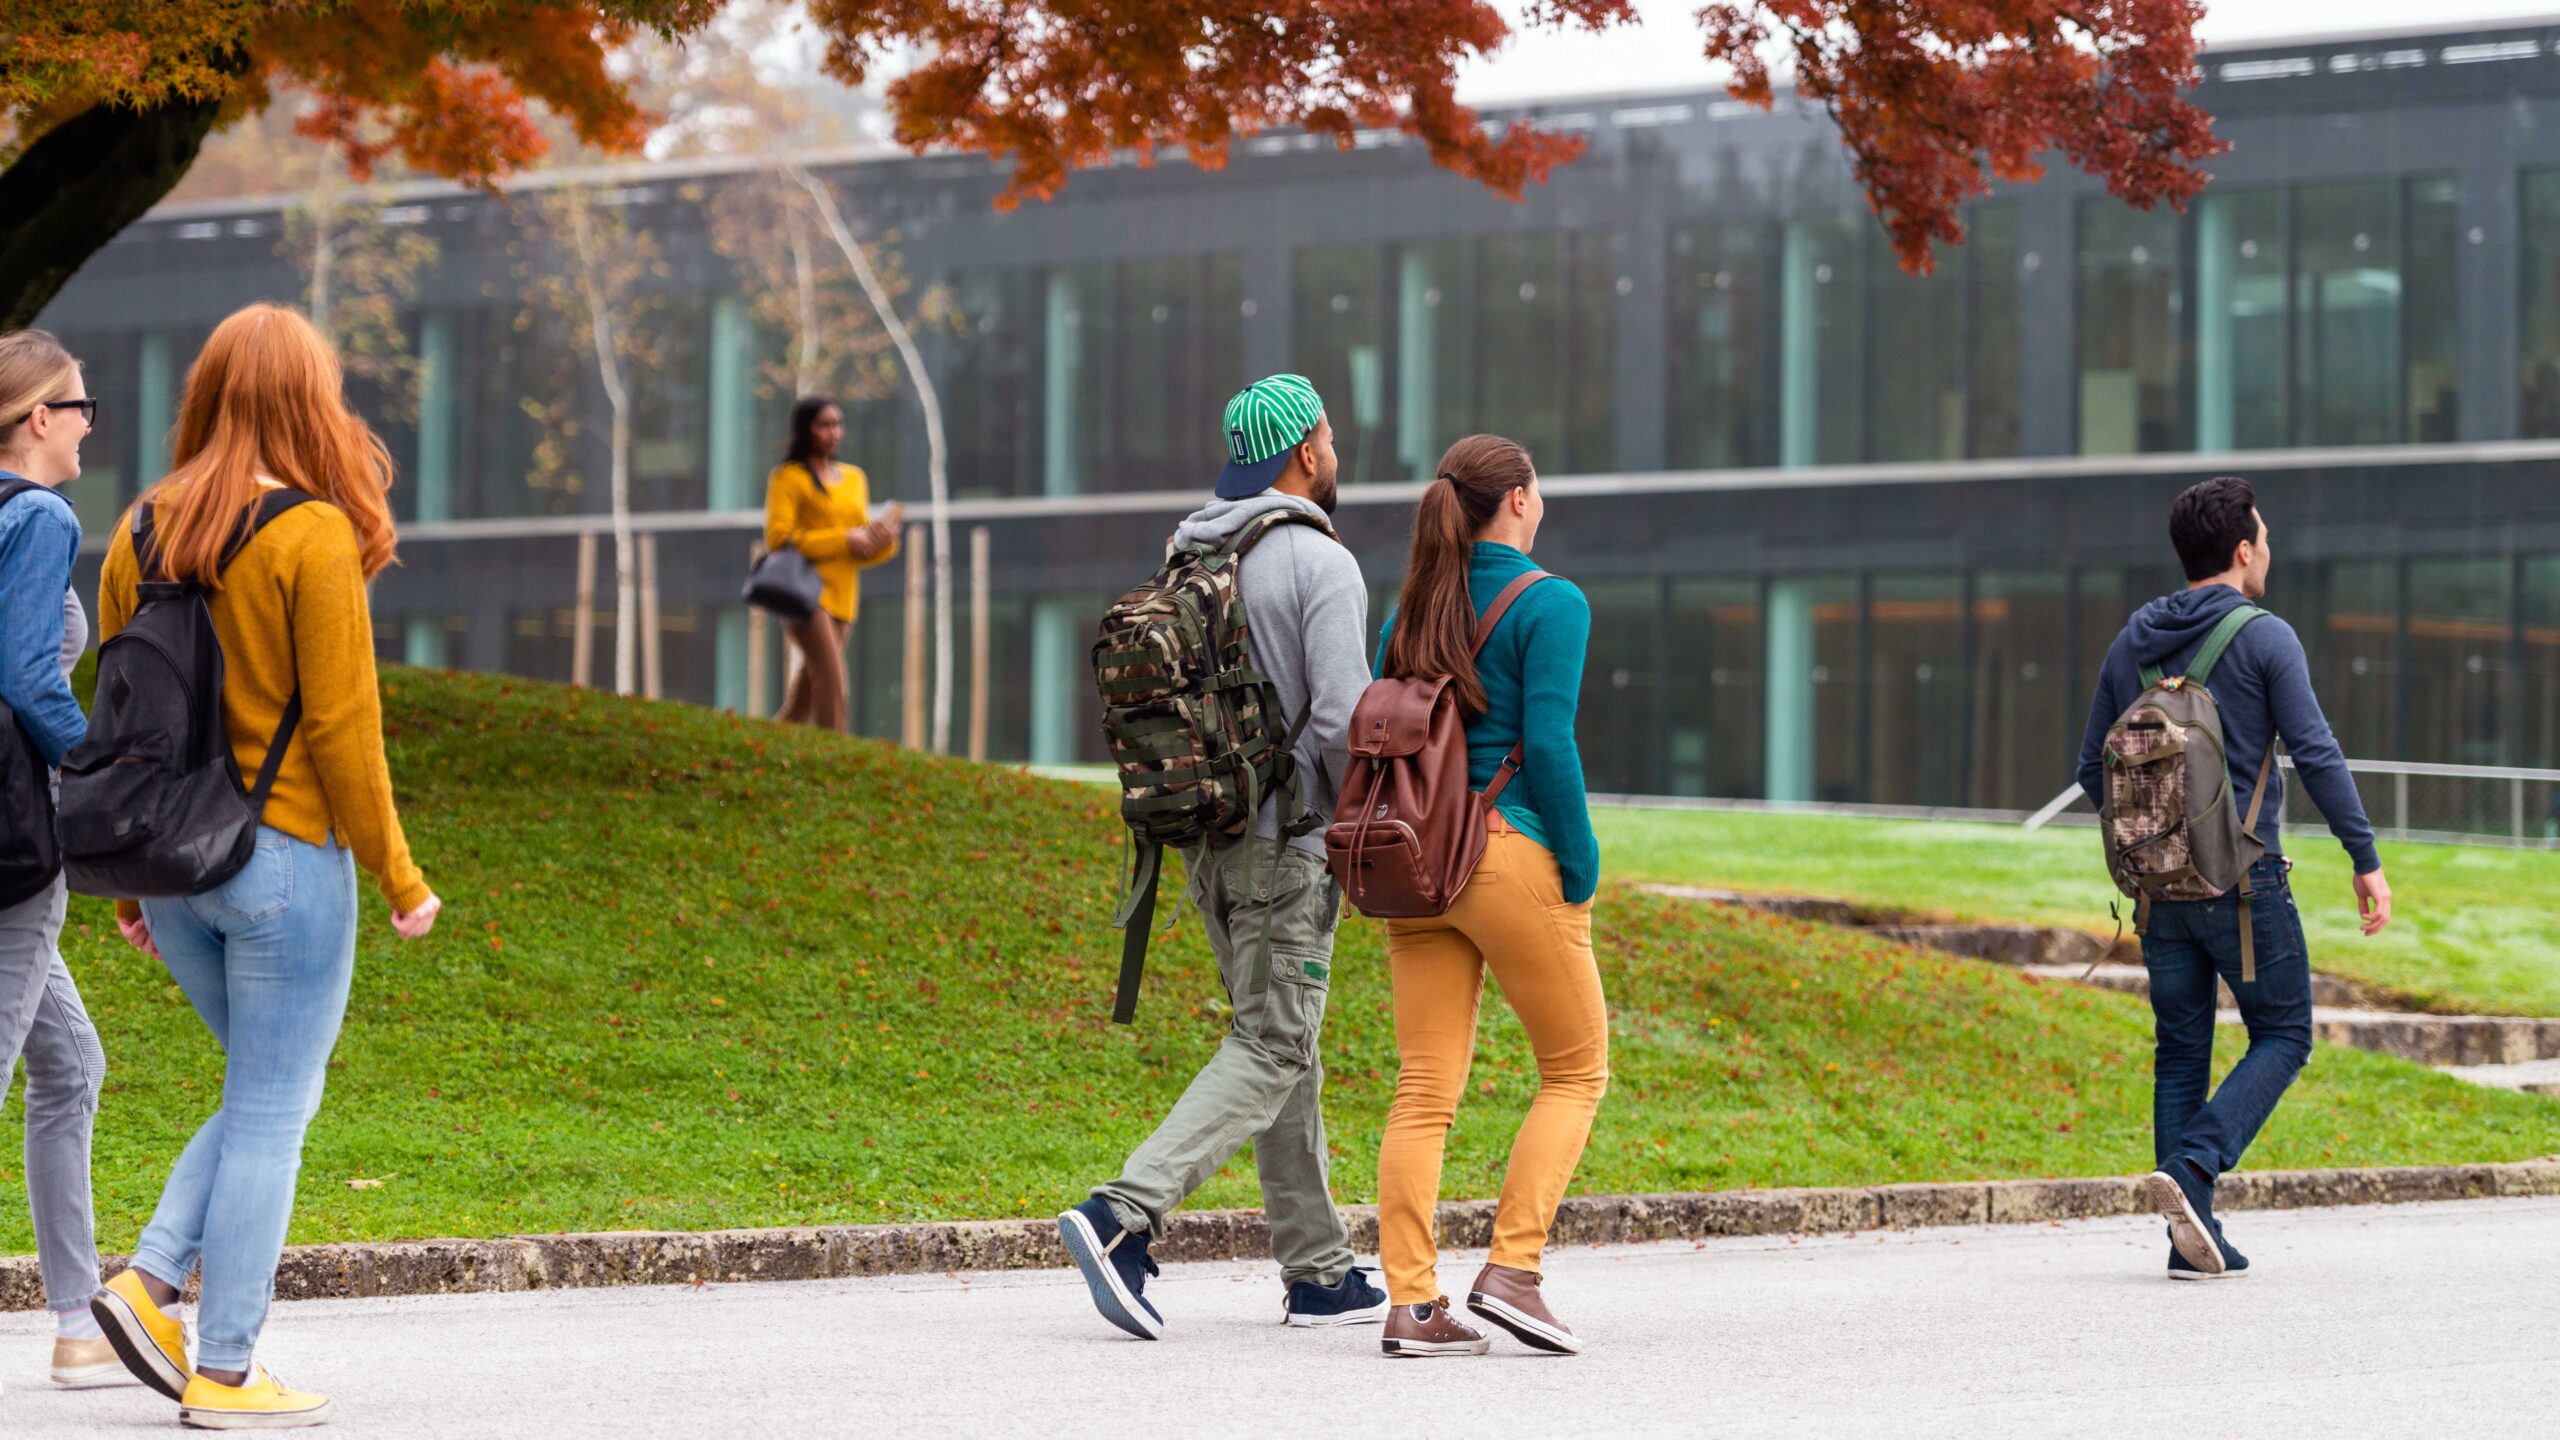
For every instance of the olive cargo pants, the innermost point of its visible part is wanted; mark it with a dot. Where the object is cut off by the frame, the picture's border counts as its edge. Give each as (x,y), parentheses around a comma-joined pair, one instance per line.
(1266,1081)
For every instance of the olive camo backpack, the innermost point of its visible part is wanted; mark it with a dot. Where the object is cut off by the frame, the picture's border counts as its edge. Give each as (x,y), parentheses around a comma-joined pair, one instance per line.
(1196,730)
(2167,818)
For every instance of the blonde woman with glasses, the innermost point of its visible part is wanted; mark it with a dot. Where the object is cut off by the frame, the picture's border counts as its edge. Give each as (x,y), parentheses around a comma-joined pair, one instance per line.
(45,412)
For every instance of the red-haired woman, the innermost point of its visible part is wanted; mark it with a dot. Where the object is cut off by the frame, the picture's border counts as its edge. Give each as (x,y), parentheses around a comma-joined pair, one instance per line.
(267,957)
(1525,915)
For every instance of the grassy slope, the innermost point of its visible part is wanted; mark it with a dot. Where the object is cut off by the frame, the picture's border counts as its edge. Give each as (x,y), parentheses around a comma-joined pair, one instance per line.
(700,972)
(2474,929)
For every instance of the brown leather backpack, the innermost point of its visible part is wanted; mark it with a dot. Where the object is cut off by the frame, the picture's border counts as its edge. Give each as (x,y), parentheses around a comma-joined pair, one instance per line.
(1408,832)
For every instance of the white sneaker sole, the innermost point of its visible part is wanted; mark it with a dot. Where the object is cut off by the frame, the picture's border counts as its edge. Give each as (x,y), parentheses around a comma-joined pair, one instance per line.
(2227,1274)
(142,1356)
(1523,1327)
(253,1419)
(95,1377)
(2186,1227)
(1434,1349)
(1370,1316)
(1110,1296)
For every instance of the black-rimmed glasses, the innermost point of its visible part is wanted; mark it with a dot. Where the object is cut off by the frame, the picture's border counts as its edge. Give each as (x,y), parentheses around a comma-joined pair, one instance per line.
(88,409)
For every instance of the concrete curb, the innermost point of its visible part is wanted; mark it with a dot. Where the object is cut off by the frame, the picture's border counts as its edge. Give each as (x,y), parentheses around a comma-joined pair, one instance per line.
(640,1257)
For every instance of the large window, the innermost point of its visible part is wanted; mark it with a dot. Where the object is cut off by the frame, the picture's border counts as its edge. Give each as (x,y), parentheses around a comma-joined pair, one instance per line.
(1712,682)
(1917,689)
(1160,347)
(2132,360)
(1419,345)
(992,383)
(2538,740)
(2304,315)
(2538,330)
(1804,342)
(2025,731)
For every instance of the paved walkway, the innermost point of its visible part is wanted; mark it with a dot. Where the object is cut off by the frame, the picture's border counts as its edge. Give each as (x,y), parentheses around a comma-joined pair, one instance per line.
(2381,1321)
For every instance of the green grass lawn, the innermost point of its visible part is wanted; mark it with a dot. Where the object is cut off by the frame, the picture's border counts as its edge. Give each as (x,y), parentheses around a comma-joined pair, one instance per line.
(2474,929)
(698,972)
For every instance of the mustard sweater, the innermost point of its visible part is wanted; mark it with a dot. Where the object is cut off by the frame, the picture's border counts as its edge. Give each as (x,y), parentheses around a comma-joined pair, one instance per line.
(291,611)
(799,515)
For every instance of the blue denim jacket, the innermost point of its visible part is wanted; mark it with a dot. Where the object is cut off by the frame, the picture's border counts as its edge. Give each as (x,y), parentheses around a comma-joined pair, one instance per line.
(39,540)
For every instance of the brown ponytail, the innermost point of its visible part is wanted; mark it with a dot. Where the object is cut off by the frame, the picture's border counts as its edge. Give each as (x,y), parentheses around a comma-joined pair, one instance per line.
(1435,617)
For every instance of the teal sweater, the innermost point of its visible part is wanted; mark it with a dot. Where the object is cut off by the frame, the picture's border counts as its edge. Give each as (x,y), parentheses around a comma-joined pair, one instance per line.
(1532,675)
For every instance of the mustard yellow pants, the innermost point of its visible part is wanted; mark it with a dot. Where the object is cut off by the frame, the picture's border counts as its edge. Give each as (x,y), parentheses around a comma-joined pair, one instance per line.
(1511,919)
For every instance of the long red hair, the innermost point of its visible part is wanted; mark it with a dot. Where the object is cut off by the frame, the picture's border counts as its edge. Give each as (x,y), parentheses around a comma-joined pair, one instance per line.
(266,397)
(1435,617)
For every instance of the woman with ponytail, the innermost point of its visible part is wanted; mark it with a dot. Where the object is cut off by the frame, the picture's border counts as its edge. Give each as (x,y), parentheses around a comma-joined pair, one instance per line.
(1525,915)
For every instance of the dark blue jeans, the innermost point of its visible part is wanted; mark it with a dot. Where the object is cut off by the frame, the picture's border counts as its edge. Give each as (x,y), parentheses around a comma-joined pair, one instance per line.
(2190,942)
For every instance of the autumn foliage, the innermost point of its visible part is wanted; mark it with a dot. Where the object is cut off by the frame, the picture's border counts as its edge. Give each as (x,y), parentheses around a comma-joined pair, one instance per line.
(1935,99)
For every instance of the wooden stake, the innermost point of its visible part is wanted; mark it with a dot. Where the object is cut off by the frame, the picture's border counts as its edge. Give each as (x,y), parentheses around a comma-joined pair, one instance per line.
(652,672)
(582,643)
(757,661)
(979,584)
(912,734)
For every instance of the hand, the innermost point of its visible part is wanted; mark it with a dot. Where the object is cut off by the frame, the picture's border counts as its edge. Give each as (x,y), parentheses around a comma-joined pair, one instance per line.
(2373,902)
(415,924)
(137,933)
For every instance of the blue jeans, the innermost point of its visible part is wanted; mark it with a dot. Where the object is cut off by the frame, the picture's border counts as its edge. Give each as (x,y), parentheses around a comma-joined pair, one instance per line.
(2190,942)
(266,960)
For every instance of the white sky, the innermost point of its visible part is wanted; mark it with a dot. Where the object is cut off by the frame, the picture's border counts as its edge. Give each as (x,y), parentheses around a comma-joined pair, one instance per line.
(1662,52)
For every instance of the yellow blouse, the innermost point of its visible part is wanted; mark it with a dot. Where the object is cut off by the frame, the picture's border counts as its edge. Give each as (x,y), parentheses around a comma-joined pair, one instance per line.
(813,521)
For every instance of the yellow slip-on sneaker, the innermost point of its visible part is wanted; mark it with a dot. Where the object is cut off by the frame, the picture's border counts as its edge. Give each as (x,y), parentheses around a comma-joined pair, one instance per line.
(265,1403)
(150,1341)
(87,1364)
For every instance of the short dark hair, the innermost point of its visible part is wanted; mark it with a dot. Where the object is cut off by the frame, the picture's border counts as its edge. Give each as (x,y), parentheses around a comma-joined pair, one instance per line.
(2209,520)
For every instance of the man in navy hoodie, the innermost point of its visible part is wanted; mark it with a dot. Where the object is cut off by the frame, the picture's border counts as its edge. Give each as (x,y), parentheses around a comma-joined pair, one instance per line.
(2262,686)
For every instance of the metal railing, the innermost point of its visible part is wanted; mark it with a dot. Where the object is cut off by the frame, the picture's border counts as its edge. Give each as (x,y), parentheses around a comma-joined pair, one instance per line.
(2412,800)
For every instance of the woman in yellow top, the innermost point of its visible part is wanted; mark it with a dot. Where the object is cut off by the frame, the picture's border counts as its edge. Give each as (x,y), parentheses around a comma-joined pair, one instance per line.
(266,958)
(822,509)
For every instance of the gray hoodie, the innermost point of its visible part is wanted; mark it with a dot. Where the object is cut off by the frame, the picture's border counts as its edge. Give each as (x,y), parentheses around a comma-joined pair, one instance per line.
(1307,617)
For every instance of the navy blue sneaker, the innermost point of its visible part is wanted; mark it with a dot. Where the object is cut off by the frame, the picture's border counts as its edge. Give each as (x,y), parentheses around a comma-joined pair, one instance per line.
(1355,1300)
(2185,1199)
(2234,1264)
(1115,1265)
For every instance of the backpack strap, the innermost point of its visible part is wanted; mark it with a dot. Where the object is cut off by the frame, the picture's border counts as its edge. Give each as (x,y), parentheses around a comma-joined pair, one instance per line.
(270,505)
(15,486)
(2249,826)
(1492,616)
(2200,669)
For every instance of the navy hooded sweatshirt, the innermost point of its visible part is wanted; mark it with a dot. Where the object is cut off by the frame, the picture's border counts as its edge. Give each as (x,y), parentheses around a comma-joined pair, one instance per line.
(2262,686)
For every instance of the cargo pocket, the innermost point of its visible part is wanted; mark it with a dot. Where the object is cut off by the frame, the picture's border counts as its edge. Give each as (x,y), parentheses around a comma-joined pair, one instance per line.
(1293,1009)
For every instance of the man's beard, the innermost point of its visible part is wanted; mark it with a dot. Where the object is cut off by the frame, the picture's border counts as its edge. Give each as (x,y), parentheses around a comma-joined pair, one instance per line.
(1328,495)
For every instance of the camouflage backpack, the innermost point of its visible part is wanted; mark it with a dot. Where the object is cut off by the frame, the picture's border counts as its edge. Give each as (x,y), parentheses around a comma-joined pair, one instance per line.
(2171,830)
(1196,731)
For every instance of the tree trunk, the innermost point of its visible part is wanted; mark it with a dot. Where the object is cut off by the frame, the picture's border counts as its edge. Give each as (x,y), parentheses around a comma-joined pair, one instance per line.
(79,185)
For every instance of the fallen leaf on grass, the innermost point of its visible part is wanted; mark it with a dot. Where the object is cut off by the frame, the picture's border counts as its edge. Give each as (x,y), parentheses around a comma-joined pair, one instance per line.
(364,1183)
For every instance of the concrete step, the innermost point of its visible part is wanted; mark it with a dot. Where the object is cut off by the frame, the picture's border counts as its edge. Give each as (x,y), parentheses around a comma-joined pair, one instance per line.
(2533,1077)
(2439,1039)
(2342,1013)
(2134,980)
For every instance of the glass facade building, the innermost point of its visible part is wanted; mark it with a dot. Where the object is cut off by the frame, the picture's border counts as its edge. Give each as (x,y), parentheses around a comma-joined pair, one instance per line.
(1850,534)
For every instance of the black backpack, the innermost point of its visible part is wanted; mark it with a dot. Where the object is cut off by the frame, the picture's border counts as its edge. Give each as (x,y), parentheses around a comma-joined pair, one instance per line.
(30,856)
(152,804)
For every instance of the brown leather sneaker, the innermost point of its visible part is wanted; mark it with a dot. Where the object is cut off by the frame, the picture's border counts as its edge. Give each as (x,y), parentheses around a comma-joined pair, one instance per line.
(1509,1298)
(1419,1331)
